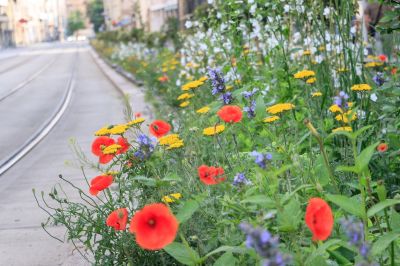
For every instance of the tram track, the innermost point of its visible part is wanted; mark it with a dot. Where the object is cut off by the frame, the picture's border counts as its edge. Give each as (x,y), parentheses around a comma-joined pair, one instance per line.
(18,64)
(49,124)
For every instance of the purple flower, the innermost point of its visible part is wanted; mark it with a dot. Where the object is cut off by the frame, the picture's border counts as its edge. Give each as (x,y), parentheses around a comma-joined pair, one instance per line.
(249,94)
(146,147)
(217,80)
(227,98)
(266,245)
(379,79)
(341,99)
(250,110)
(240,179)
(261,159)
(354,231)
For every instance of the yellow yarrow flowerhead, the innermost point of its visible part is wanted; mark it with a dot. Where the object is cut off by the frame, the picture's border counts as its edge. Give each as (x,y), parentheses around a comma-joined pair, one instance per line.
(279,108)
(373,64)
(307,52)
(173,141)
(316,94)
(342,70)
(349,129)
(185,96)
(118,129)
(171,197)
(203,110)
(271,119)
(112,149)
(211,131)
(104,131)
(311,80)
(203,78)
(136,121)
(304,74)
(192,85)
(350,104)
(184,104)
(346,117)
(335,109)
(228,88)
(361,87)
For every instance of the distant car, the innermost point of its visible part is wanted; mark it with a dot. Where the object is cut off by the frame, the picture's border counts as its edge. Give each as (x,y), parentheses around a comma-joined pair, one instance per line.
(82,38)
(71,39)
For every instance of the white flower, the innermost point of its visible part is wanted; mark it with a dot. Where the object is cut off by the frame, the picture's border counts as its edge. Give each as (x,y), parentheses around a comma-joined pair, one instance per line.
(286,8)
(219,15)
(253,9)
(373,97)
(210,1)
(327,11)
(353,30)
(188,24)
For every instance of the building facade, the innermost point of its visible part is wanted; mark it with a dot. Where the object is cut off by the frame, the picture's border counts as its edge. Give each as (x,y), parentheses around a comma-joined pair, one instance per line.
(23,22)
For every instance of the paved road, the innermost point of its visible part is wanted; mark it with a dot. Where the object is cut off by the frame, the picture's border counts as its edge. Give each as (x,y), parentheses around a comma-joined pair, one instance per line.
(95,102)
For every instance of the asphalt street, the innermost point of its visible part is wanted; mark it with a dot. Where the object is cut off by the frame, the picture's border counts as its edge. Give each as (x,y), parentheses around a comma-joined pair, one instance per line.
(95,102)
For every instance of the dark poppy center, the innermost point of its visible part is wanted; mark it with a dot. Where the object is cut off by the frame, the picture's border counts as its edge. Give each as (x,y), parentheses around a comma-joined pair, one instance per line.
(151,223)
(155,127)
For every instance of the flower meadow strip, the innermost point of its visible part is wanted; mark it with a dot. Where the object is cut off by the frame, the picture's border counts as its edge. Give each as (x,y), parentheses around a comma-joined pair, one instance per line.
(276,143)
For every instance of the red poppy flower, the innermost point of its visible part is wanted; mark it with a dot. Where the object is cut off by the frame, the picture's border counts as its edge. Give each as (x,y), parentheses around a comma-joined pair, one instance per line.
(100,183)
(155,226)
(319,218)
(393,71)
(124,145)
(208,175)
(159,128)
(230,113)
(382,57)
(382,147)
(118,219)
(97,148)
(138,115)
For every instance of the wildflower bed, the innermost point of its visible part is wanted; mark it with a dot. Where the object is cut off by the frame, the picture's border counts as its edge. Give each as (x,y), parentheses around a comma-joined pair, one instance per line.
(277,143)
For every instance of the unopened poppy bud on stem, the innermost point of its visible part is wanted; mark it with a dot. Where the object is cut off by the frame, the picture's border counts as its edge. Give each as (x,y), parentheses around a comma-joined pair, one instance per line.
(308,124)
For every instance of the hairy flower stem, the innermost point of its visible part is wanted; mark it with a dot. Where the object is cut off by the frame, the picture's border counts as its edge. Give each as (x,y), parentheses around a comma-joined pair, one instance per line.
(317,136)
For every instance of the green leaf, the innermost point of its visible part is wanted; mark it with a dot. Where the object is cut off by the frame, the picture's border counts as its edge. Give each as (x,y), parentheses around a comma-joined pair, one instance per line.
(321,171)
(383,242)
(240,250)
(260,107)
(365,156)
(182,253)
(348,204)
(382,205)
(289,219)
(260,200)
(226,259)
(187,210)
(145,180)
(317,261)
(322,249)
(395,221)
(360,131)
(344,168)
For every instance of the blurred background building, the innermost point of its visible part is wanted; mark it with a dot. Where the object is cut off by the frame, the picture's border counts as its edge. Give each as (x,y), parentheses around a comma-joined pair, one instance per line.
(23,22)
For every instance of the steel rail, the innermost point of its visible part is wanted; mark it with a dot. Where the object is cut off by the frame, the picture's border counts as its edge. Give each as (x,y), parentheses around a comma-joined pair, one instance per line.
(47,126)
(13,66)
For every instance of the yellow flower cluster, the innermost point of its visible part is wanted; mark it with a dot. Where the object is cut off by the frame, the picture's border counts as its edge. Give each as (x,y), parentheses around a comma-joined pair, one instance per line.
(192,85)
(304,74)
(112,149)
(361,87)
(173,141)
(271,119)
(211,131)
(279,108)
(118,129)
(316,94)
(203,110)
(184,104)
(136,121)
(373,64)
(307,52)
(349,129)
(171,197)
(311,80)
(185,96)
(335,109)
(346,117)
